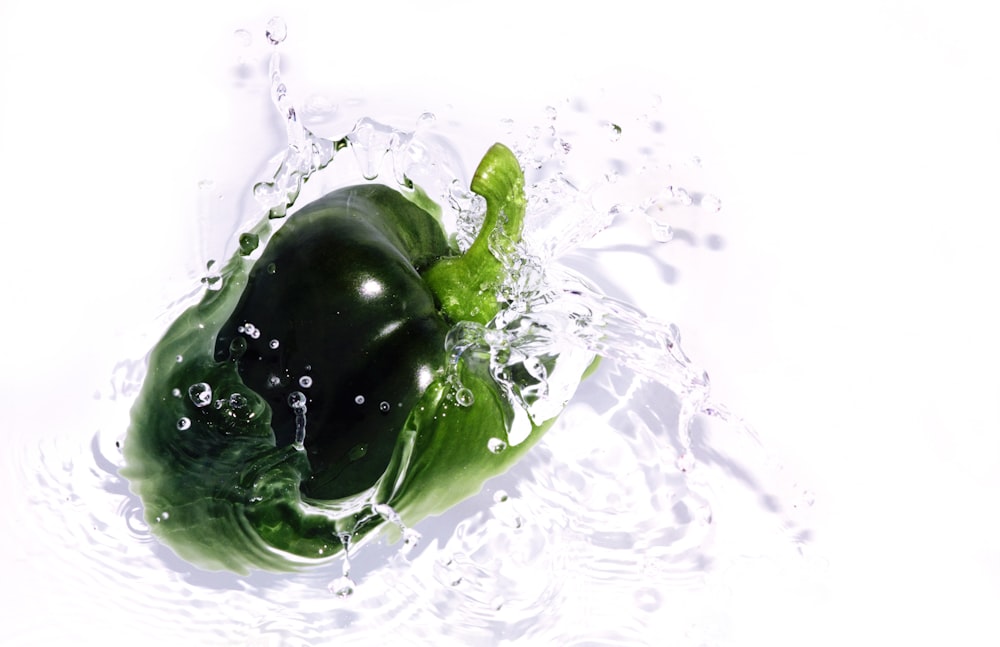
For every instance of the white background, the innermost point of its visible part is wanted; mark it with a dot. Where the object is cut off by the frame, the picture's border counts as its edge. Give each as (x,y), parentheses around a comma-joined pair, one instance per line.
(851,317)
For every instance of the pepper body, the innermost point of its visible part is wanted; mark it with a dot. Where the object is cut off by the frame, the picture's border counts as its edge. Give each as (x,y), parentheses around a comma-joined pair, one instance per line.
(346,312)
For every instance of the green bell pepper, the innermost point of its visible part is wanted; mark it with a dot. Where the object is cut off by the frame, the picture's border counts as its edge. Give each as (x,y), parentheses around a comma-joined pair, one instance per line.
(314,384)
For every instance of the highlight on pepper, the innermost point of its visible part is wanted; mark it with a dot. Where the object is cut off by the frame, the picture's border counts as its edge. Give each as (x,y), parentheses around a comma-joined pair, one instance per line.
(318,393)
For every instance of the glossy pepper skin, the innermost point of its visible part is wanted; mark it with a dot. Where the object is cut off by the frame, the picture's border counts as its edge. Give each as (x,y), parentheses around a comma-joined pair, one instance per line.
(347,309)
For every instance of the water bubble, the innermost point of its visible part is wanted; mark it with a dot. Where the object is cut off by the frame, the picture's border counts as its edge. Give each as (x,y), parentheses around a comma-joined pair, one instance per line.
(357,452)
(464,397)
(305,381)
(200,394)
(711,203)
(496,445)
(237,401)
(297,400)
(274,343)
(184,424)
(243,38)
(176,393)
(276,30)
(180,358)
(271,268)
(273,380)
(360,399)
(500,496)
(342,587)
(384,407)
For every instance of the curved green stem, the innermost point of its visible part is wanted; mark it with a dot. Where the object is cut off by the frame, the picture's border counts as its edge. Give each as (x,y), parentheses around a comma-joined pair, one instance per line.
(466,285)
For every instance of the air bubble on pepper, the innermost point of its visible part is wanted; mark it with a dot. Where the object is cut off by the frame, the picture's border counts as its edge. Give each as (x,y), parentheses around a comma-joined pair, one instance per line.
(464,396)
(176,393)
(237,401)
(200,394)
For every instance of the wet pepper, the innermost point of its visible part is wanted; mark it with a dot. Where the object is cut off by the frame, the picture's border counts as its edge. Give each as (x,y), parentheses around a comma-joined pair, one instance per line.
(315,384)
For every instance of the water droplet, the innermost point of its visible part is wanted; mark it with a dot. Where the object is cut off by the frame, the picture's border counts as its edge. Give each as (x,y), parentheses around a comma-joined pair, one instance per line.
(200,394)
(297,400)
(184,424)
(180,358)
(273,344)
(276,30)
(711,203)
(243,38)
(237,401)
(551,113)
(305,381)
(681,195)
(384,407)
(176,393)
(410,540)
(248,243)
(500,496)
(426,119)
(614,131)
(360,399)
(662,232)
(271,268)
(464,397)
(507,125)
(496,445)
(342,587)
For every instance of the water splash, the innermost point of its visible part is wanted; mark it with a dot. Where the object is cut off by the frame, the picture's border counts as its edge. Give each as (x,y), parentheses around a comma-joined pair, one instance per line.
(620,503)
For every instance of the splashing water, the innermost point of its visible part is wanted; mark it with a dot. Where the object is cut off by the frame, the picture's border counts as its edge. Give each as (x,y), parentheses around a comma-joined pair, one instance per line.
(623,518)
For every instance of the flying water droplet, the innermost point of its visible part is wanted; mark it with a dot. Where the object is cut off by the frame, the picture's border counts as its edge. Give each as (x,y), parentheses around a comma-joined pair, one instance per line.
(711,203)
(276,30)
(297,400)
(662,232)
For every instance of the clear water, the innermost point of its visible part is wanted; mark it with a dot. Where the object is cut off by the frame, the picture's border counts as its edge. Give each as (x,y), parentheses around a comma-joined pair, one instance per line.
(639,519)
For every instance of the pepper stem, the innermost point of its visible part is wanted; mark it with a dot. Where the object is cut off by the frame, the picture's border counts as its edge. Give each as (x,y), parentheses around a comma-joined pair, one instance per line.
(467,285)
